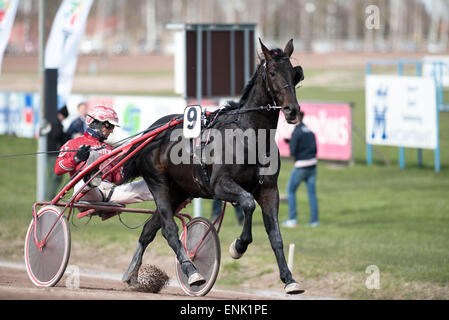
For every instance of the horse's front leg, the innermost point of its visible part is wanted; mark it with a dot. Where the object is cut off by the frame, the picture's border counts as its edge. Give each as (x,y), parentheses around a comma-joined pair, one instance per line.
(230,191)
(268,199)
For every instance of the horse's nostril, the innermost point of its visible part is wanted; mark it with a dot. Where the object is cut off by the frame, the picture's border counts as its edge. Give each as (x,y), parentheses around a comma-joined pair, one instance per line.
(287,110)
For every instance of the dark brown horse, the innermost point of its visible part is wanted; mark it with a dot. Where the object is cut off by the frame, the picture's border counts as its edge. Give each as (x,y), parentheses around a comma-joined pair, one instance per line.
(272,88)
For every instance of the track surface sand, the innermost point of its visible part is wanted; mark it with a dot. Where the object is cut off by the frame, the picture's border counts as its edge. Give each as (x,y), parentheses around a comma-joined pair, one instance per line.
(96,285)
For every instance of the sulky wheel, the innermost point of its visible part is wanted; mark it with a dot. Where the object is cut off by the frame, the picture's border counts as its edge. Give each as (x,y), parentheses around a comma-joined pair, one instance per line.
(46,265)
(207,258)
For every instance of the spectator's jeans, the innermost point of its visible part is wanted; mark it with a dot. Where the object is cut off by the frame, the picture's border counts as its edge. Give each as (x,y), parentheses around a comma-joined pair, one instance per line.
(217,207)
(298,175)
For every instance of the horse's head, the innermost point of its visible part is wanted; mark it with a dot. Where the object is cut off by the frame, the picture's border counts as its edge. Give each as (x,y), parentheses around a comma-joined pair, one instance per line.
(281,78)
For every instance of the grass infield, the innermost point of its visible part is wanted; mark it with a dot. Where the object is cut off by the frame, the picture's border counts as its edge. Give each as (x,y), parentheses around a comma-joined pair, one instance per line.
(397,220)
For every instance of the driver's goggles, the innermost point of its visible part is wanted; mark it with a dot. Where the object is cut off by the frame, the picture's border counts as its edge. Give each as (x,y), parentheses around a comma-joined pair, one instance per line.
(108,125)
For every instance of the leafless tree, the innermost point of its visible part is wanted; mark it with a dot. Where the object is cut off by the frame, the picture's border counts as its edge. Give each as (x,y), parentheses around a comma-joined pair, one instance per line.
(404,24)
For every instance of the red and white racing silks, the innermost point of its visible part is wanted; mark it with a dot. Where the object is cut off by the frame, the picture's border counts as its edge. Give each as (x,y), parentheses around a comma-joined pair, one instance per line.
(65,163)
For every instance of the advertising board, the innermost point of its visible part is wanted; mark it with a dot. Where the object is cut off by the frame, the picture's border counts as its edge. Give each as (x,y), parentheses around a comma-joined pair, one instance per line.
(332,125)
(400,111)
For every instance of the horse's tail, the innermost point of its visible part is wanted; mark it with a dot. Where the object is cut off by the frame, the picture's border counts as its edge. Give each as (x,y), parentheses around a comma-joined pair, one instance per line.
(130,171)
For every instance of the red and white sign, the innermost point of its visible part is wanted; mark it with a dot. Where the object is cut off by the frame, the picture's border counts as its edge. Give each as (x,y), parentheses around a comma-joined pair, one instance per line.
(332,125)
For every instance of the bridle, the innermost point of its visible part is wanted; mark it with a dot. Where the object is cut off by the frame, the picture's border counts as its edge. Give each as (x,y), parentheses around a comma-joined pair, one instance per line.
(271,91)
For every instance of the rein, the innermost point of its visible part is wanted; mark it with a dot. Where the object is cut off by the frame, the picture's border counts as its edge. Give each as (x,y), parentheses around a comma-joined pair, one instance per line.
(44,152)
(237,112)
(267,107)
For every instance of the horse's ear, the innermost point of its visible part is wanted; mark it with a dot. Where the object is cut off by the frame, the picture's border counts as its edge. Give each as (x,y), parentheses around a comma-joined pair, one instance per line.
(288,50)
(265,51)
(299,74)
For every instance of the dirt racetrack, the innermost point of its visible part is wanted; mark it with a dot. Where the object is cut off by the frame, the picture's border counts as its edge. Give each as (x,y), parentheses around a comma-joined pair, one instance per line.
(165,63)
(149,74)
(15,285)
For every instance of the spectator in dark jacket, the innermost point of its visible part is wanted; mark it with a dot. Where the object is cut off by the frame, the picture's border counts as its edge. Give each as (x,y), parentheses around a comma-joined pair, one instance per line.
(78,126)
(303,148)
(55,140)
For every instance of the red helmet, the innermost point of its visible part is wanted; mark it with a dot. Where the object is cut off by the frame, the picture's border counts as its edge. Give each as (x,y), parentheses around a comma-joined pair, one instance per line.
(102,114)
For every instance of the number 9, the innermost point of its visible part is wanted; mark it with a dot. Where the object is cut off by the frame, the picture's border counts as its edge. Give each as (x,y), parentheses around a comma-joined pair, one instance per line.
(192,116)
(192,122)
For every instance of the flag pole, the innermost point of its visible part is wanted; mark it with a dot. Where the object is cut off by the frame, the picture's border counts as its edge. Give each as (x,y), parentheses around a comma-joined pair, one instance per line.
(42,134)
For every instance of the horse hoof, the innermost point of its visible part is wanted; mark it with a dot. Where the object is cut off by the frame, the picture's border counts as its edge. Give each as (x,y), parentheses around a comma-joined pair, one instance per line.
(233,252)
(135,261)
(128,277)
(131,281)
(196,279)
(294,288)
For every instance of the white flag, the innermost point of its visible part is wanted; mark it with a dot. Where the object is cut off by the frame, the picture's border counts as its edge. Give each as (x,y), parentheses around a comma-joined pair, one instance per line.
(8,9)
(62,47)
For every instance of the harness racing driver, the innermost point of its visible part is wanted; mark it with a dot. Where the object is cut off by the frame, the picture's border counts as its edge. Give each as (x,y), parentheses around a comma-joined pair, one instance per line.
(100,124)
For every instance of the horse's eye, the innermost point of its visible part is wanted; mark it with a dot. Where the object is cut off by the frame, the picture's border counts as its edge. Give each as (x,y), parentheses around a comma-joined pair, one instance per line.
(272,73)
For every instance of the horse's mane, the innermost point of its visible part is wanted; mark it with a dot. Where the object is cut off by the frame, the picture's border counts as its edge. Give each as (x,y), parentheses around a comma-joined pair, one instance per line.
(245,94)
(278,54)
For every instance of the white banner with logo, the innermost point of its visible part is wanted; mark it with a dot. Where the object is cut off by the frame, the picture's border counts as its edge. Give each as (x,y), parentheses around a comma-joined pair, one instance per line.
(19,112)
(62,47)
(401,111)
(135,113)
(8,9)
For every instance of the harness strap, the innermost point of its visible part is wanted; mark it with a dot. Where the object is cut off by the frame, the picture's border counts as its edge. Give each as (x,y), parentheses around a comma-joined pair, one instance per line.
(268,107)
(109,196)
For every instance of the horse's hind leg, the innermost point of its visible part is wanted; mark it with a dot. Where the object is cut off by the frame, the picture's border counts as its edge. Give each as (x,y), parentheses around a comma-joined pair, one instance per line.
(170,231)
(268,200)
(149,231)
